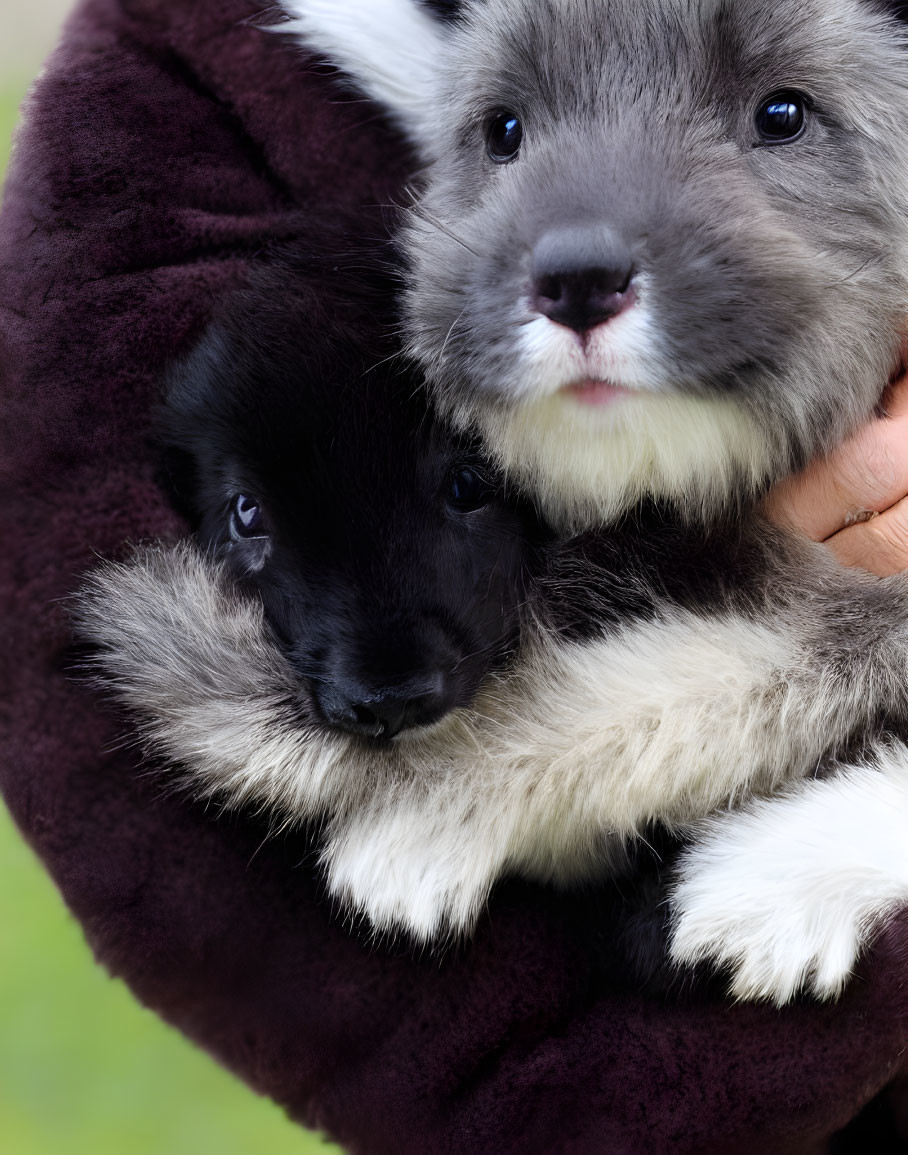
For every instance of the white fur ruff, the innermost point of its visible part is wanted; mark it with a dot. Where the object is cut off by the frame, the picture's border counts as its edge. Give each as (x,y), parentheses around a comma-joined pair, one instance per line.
(585,466)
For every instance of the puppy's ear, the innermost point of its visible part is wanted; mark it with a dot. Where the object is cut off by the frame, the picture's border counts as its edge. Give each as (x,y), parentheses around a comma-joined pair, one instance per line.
(193,421)
(191,393)
(391,49)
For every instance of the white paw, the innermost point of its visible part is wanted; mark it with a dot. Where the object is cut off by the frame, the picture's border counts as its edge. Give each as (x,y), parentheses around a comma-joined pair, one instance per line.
(779,920)
(405,876)
(788,891)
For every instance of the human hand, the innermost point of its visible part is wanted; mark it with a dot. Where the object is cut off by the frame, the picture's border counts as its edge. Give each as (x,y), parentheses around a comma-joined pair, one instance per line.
(856,500)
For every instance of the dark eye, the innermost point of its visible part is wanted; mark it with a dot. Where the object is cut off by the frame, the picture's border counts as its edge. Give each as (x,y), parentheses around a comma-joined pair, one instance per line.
(248,520)
(782,117)
(504,137)
(469,490)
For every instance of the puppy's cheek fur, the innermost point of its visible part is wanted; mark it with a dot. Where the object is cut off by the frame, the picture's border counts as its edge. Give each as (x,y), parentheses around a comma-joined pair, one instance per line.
(787,893)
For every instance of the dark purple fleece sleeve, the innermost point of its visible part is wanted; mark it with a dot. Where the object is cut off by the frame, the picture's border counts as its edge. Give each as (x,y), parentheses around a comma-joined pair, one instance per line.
(168,141)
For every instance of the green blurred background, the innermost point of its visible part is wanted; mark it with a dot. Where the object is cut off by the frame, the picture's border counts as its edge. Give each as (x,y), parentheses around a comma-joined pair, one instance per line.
(83,1069)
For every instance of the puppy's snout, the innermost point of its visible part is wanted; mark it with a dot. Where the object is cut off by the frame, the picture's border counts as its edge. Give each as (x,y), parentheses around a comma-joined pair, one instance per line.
(581,279)
(376,711)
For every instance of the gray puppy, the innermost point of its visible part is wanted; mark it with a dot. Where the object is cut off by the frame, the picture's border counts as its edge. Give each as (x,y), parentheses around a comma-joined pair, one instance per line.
(661,246)
(661,252)
(658,260)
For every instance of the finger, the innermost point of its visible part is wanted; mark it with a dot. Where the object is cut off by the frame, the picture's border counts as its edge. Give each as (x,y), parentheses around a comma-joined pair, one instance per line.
(879,545)
(869,473)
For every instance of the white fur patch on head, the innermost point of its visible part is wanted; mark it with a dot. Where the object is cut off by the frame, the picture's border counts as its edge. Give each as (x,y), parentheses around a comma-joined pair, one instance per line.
(587,465)
(789,891)
(389,48)
(575,749)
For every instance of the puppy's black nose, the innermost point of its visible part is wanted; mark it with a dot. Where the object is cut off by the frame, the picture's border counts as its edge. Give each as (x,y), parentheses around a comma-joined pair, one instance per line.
(581,301)
(581,279)
(383,712)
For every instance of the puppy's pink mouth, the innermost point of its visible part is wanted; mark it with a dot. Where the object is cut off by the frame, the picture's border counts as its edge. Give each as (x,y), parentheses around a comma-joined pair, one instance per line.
(595,392)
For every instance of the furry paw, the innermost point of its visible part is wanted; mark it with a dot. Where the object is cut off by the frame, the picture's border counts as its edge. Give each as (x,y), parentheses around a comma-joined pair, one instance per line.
(743,904)
(405,876)
(788,892)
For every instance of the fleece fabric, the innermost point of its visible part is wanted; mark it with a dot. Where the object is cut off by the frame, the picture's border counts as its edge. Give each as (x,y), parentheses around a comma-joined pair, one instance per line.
(166,143)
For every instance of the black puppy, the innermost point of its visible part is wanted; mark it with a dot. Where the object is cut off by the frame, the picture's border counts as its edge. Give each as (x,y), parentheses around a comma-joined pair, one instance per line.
(389,563)
(361,573)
